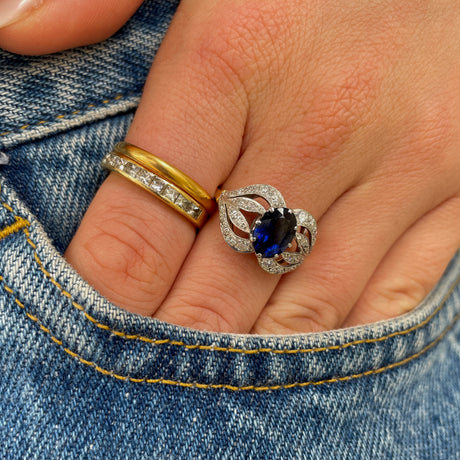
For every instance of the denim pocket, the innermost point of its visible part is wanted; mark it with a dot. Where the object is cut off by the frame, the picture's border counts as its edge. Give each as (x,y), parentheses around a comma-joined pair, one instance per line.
(81,378)
(350,384)
(32,264)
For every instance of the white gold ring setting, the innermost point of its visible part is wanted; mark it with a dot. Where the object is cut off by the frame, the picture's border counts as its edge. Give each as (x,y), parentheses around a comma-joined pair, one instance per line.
(255,219)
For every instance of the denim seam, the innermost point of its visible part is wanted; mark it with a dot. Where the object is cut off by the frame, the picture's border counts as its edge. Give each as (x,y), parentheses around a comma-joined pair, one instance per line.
(63,116)
(223,385)
(125,336)
(20,224)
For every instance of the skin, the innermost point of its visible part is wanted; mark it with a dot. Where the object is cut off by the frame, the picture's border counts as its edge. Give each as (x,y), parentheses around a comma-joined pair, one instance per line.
(353,113)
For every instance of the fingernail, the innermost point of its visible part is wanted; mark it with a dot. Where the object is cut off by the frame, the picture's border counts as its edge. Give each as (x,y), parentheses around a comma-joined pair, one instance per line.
(13,10)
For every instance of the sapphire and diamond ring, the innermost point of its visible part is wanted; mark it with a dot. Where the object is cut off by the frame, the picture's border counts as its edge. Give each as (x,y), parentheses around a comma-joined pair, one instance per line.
(256,219)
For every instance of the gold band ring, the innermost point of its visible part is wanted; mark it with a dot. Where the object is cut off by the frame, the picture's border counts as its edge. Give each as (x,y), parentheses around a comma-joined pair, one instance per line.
(162,180)
(166,171)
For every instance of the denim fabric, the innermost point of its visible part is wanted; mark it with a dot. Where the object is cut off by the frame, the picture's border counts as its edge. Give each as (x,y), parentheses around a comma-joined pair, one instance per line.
(81,378)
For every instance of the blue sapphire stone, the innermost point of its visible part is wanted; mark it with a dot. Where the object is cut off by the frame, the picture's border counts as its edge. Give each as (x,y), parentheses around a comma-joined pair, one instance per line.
(274,232)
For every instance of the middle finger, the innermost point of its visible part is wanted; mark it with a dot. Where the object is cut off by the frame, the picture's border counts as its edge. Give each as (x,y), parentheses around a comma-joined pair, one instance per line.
(220,289)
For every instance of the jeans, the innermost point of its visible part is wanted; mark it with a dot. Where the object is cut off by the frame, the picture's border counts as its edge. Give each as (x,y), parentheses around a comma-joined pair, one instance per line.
(82,378)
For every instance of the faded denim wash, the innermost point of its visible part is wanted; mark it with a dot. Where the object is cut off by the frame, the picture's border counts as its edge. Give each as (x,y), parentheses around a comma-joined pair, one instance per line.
(81,378)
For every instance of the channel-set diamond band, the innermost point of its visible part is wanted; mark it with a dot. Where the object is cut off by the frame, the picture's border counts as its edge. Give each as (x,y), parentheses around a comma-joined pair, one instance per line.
(256,219)
(162,180)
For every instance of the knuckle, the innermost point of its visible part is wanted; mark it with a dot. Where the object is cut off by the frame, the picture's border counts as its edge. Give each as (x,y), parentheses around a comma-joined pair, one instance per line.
(430,132)
(206,317)
(222,58)
(312,314)
(327,117)
(319,127)
(124,259)
(396,296)
(338,109)
(425,146)
(251,39)
(207,306)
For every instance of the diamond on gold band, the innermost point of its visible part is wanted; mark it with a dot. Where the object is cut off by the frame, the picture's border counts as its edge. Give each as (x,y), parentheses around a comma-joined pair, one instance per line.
(154,164)
(256,219)
(171,193)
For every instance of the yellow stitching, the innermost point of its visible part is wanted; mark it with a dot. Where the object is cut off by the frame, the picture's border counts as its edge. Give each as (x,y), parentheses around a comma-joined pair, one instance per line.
(227,386)
(240,350)
(60,117)
(227,349)
(32,317)
(236,350)
(34,246)
(54,339)
(13,228)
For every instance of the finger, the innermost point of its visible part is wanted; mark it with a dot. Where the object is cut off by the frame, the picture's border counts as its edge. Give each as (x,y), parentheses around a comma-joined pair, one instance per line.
(130,246)
(209,294)
(354,236)
(411,268)
(311,157)
(47,26)
(222,290)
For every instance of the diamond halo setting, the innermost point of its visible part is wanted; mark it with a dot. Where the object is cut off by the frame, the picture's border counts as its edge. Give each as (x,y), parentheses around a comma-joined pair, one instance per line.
(255,219)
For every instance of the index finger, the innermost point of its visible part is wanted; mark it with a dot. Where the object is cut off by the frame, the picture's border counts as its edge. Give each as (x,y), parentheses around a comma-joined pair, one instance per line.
(131,246)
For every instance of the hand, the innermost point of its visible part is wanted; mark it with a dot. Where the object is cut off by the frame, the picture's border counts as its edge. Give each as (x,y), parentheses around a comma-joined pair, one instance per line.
(352,112)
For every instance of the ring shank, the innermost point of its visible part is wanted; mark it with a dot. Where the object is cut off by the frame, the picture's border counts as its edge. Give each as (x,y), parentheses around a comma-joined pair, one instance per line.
(166,171)
(162,180)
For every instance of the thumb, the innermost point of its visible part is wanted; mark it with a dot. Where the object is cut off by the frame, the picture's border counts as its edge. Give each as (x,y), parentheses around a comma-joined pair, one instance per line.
(47,26)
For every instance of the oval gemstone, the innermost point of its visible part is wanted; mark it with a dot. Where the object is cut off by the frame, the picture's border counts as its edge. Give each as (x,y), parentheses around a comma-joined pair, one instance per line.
(274,232)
